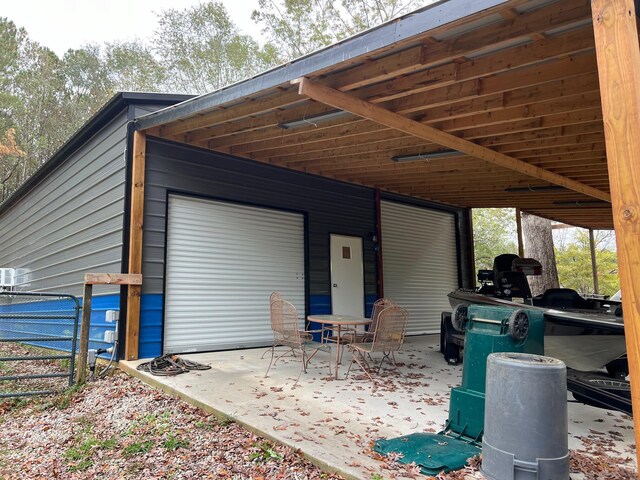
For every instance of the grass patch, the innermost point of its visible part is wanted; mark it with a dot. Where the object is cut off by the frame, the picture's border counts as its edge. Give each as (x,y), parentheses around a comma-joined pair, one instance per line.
(63,400)
(137,448)
(265,453)
(80,458)
(173,443)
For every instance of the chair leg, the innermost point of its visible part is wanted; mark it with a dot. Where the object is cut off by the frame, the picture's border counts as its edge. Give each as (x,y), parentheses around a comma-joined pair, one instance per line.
(361,360)
(390,356)
(273,349)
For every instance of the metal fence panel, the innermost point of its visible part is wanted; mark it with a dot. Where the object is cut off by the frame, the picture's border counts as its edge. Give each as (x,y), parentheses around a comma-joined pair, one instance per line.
(38,341)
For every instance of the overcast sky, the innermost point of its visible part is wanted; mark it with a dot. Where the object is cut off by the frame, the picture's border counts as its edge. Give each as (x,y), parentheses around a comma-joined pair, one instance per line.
(64,24)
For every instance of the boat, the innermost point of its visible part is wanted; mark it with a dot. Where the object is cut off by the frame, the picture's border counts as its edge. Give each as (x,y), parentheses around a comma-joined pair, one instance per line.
(586,333)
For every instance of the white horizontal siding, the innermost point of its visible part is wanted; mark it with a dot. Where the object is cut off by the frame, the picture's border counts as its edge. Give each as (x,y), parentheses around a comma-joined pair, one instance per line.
(419,262)
(223,262)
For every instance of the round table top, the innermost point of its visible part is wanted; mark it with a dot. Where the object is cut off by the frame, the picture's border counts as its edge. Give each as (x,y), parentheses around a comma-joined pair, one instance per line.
(339,319)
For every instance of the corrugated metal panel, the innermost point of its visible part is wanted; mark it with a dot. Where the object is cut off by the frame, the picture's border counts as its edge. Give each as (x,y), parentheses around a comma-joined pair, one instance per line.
(223,262)
(419,262)
(71,222)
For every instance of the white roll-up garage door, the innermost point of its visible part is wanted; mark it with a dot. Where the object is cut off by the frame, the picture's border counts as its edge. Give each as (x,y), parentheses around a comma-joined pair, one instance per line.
(223,262)
(419,262)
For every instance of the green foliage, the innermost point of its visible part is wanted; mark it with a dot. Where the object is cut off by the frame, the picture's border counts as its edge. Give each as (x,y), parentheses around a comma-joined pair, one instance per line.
(296,27)
(173,443)
(63,400)
(80,458)
(137,448)
(574,262)
(202,50)
(494,233)
(45,98)
(265,453)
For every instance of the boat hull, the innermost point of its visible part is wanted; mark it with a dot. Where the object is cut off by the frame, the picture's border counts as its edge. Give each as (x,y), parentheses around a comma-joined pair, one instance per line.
(584,341)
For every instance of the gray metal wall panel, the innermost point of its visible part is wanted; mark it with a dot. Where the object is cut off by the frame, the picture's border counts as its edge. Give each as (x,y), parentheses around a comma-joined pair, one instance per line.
(71,222)
(331,207)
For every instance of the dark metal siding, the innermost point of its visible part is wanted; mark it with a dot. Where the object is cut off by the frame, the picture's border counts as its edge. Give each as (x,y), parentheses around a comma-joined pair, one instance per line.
(71,221)
(330,206)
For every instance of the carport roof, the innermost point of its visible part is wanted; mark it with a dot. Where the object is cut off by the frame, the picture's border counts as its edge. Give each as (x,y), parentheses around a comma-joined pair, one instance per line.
(511,85)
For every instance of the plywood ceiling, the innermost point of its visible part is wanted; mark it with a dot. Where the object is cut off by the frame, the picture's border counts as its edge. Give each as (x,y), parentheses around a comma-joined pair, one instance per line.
(519,80)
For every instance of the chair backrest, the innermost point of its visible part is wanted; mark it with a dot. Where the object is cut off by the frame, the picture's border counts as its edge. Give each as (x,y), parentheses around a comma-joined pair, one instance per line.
(378,306)
(284,322)
(275,296)
(391,329)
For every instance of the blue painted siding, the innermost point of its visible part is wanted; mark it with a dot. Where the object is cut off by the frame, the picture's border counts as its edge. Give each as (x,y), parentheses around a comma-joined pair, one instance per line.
(150,342)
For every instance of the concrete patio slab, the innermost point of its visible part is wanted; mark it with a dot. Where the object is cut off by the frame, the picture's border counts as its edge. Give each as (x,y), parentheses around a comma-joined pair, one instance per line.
(334,422)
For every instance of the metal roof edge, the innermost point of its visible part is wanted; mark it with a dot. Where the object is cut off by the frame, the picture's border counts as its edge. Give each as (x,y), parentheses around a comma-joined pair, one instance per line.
(395,30)
(115,105)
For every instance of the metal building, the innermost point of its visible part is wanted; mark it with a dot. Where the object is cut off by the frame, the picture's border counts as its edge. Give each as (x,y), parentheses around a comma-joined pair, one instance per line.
(220,234)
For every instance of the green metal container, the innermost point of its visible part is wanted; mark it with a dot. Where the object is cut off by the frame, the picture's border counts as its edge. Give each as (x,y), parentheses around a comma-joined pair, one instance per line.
(488,330)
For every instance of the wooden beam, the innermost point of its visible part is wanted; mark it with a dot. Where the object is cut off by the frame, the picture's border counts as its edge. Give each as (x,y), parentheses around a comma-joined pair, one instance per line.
(380,115)
(570,12)
(112,279)
(249,107)
(135,244)
(616,35)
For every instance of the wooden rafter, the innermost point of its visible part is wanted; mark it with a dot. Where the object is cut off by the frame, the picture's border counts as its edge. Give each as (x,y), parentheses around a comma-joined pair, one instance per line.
(343,101)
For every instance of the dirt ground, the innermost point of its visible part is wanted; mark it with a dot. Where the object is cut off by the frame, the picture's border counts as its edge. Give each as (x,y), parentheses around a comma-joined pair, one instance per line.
(119,427)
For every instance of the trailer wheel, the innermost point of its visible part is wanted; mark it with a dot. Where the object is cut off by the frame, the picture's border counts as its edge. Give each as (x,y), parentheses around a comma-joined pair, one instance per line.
(459,317)
(451,353)
(519,325)
(444,316)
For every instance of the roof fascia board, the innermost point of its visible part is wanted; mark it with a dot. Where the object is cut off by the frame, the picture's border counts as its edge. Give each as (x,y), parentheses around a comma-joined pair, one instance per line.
(397,30)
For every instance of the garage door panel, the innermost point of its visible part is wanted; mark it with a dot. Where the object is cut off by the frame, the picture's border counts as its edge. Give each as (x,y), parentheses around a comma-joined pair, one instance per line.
(420,264)
(223,262)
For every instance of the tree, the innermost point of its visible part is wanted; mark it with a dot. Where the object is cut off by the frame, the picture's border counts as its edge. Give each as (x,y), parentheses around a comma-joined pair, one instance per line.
(132,66)
(538,243)
(296,27)
(202,50)
(10,154)
(574,261)
(494,233)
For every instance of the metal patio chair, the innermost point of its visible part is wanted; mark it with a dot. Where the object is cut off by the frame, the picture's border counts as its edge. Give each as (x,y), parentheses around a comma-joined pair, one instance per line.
(367,336)
(287,332)
(388,338)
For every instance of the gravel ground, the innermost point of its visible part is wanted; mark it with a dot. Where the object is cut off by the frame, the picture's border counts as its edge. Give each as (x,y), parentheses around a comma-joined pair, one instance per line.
(119,427)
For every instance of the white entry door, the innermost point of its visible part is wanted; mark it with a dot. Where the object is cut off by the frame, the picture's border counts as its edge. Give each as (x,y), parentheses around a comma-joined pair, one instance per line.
(347,277)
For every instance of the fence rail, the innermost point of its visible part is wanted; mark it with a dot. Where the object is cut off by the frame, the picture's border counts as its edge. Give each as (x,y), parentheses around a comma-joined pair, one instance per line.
(33,325)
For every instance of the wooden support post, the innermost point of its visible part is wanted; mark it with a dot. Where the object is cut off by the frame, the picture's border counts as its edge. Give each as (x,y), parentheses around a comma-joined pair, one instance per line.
(519,230)
(135,244)
(618,53)
(83,346)
(594,263)
(91,279)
